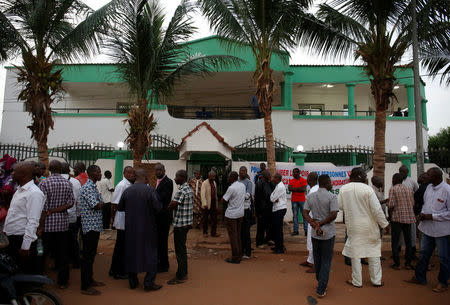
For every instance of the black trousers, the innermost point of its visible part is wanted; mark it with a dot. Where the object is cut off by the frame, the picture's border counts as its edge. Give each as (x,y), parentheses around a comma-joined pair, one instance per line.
(245,233)
(57,243)
(118,258)
(163,226)
(277,227)
(179,239)
(27,265)
(90,243)
(396,228)
(74,247)
(263,228)
(106,215)
(149,278)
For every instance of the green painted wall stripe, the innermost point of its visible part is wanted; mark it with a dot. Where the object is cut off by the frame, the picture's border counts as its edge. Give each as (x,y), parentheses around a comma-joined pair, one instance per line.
(345,117)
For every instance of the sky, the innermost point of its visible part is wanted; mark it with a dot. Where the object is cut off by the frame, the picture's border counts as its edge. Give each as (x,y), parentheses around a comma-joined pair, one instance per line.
(438,96)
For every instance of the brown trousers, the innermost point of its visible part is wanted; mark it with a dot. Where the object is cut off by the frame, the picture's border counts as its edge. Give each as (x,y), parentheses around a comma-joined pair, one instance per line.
(234,232)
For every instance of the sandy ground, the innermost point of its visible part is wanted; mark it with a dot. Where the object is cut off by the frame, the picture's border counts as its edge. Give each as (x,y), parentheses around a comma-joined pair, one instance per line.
(265,279)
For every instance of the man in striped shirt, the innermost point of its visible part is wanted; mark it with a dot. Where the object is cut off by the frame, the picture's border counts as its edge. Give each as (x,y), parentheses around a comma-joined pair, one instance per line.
(400,205)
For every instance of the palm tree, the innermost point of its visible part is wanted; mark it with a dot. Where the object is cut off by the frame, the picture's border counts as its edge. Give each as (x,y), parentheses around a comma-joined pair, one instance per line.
(379,33)
(43,33)
(268,26)
(151,58)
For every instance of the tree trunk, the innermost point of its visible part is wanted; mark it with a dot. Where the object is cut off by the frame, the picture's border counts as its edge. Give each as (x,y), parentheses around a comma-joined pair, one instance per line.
(264,94)
(270,145)
(379,157)
(43,154)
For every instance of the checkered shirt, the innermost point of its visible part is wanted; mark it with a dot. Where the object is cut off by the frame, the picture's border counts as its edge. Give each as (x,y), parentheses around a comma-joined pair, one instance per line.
(58,191)
(401,199)
(91,219)
(185,198)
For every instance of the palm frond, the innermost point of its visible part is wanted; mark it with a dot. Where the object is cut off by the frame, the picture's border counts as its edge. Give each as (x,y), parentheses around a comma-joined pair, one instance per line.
(11,42)
(437,62)
(85,38)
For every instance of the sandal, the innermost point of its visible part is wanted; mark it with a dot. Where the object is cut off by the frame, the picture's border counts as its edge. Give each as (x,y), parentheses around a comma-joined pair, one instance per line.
(351,283)
(440,288)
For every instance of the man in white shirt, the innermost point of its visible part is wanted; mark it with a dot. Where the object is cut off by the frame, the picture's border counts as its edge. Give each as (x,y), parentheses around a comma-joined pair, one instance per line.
(313,187)
(74,217)
(106,189)
(435,227)
(363,219)
(234,197)
(117,269)
(279,200)
(23,217)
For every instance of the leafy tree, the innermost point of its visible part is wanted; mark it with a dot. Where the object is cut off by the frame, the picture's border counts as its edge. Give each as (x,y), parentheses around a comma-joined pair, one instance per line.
(268,26)
(440,140)
(379,33)
(44,33)
(152,58)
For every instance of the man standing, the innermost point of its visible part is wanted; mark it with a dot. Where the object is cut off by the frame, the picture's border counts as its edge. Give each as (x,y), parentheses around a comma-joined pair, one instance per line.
(74,217)
(182,203)
(414,186)
(209,204)
(401,203)
(262,168)
(378,185)
(279,200)
(23,216)
(80,173)
(313,187)
(55,220)
(140,203)
(297,186)
(196,184)
(91,226)
(247,220)
(117,269)
(435,227)
(234,197)
(106,190)
(323,205)
(164,188)
(263,209)
(363,219)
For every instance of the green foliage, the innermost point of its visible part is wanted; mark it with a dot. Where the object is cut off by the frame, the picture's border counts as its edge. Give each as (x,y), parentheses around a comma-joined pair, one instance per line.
(440,140)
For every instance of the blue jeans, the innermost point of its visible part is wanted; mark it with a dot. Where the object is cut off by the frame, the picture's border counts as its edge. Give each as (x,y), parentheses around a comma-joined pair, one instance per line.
(323,253)
(427,246)
(295,206)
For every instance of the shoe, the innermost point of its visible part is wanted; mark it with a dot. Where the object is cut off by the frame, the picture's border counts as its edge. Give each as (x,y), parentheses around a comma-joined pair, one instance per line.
(279,251)
(270,243)
(176,281)
(294,233)
(378,285)
(97,284)
(232,261)
(409,267)
(63,286)
(91,291)
(245,257)
(120,276)
(321,295)
(396,267)
(351,284)
(152,287)
(311,270)
(413,280)
(306,264)
(440,288)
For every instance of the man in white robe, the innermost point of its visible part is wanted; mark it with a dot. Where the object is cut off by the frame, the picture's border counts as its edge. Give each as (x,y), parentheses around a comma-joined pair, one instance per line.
(363,219)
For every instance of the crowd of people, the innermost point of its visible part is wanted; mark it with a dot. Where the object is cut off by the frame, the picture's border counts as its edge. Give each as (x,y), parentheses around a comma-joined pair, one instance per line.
(46,216)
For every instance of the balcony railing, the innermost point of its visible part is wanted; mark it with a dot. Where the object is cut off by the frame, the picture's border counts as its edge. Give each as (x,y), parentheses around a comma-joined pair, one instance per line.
(359,113)
(214,113)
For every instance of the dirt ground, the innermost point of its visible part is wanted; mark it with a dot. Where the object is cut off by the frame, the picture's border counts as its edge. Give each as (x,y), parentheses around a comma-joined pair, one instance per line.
(265,279)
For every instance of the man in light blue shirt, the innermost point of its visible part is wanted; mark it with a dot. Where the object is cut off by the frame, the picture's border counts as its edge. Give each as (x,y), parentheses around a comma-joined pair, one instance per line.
(435,227)
(247,220)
